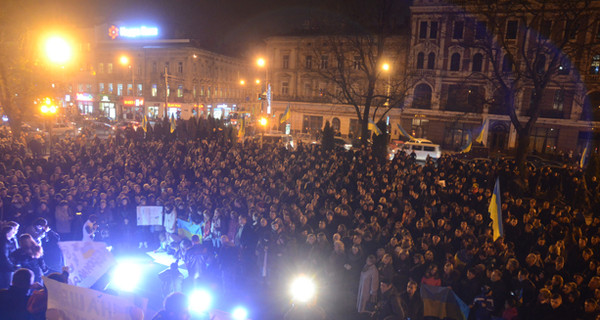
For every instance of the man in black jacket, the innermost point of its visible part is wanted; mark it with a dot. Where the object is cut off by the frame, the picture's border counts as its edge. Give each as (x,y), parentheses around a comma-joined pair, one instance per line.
(390,306)
(412,302)
(13,301)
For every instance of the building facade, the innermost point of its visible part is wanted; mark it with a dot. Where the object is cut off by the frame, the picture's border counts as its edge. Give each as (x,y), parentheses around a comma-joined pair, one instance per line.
(128,75)
(451,96)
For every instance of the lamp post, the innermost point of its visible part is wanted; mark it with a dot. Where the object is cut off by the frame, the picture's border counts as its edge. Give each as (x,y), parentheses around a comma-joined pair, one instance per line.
(263,122)
(386,68)
(125,61)
(49,109)
(262,63)
(59,52)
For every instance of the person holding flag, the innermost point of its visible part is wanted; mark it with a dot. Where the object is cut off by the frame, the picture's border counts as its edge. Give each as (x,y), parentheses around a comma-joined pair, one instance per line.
(495,210)
(286,115)
(373,127)
(173,124)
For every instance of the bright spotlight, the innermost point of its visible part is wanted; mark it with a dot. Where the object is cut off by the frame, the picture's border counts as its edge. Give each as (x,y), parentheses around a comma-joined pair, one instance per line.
(303,289)
(239,313)
(200,301)
(58,50)
(126,276)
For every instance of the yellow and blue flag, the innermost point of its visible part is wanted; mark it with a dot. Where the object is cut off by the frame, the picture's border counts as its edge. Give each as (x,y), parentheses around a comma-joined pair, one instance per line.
(466,148)
(443,303)
(584,155)
(495,210)
(404,133)
(145,123)
(286,115)
(173,124)
(482,132)
(242,131)
(373,127)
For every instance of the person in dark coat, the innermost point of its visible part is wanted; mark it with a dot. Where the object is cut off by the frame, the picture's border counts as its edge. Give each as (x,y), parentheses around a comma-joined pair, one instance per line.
(13,301)
(390,305)
(6,265)
(175,308)
(412,302)
(29,255)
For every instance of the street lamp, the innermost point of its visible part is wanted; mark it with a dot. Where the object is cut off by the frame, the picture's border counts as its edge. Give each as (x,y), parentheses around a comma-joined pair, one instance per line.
(58,50)
(262,63)
(387,69)
(49,109)
(263,122)
(126,61)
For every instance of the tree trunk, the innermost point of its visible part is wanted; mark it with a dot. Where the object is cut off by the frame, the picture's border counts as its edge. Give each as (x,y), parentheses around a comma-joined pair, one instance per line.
(521,153)
(364,135)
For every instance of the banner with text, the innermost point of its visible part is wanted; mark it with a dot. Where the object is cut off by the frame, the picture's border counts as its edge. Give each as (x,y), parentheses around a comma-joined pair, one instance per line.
(149,215)
(87,261)
(67,302)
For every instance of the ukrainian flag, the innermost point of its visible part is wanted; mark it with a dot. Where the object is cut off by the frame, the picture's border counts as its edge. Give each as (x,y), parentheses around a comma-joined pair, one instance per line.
(145,123)
(468,146)
(481,134)
(495,210)
(373,127)
(443,303)
(584,155)
(173,124)
(286,115)
(242,131)
(404,133)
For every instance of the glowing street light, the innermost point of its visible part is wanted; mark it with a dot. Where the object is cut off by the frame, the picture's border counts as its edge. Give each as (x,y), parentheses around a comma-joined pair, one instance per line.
(261,62)
(385,67)
(242,82)
(263,121)
(303,289)
(58,50)
(124,60)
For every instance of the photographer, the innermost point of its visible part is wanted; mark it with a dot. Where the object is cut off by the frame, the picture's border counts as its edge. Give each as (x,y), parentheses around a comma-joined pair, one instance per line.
(89,228)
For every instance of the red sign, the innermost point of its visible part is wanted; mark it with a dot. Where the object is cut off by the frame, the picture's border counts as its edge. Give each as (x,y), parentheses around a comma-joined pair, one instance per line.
(130,102)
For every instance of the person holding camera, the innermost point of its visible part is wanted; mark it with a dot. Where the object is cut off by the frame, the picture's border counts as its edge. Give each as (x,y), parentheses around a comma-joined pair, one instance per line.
(89,228)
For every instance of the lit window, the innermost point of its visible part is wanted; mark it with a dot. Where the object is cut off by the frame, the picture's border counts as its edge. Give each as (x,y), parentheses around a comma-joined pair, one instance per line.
(154,90)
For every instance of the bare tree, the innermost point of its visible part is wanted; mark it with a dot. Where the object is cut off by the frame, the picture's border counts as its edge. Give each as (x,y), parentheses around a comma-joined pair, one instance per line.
(530,47)
(360,43)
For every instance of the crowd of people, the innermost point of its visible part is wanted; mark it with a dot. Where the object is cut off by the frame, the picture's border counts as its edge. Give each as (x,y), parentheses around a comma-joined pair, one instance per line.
(372,230)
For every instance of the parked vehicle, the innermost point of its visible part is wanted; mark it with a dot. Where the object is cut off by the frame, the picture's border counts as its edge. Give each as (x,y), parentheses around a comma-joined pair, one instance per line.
(422,148)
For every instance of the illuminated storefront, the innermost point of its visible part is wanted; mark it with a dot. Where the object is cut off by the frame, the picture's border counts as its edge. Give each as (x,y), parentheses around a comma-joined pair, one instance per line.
(133,108)
(85,103)
(107,107)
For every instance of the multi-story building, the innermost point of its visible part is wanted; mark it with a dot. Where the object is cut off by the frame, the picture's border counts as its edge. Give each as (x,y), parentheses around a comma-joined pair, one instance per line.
(451,96)
(124,74)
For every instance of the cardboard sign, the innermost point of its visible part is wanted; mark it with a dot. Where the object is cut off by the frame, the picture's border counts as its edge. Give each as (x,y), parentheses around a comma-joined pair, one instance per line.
(149,215)
(67,302)
(87,261)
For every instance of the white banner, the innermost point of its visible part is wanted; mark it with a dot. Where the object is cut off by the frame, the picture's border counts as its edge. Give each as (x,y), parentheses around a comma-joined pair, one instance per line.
(149,216)
(87,261)
(67,302)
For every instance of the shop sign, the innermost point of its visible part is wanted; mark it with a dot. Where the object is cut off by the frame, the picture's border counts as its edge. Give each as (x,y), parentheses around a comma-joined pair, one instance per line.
(84,97)
(131,32)
(130,102)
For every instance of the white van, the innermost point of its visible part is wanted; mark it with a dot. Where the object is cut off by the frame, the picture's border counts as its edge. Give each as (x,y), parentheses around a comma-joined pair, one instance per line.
(422,148)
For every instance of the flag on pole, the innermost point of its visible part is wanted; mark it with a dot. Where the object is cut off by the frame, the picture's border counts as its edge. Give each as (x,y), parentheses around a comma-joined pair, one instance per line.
(404,133)
(242,131)
(584,155)
(495,210)
(373,127)
(482,132)
(286,115)
(173,124)
(466,148)
(145,123)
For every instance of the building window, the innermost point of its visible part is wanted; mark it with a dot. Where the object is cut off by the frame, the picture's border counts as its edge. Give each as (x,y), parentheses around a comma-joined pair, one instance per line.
(110,88)
(120,89)
(480,30)
(285,62)
(477,62)
(433,30)
(180,91)
(180,67)
(595,65)
(154,90)
(431,61)
(308,62)
(168,91)
(458,29)
(140,92)
(354,129)
(284,88)
(356,62)
(129,89)
(423,30)
(312,124)
(511,29)
(422,97)
(80,87)
(139,70)
(307,90)
(324,62)
(559,98)
(101,87)
(101,68)
(455,62)
(543,140)
(109,68)
(154,67)
(420,60)
(202,91)
(507,64)
(208,92)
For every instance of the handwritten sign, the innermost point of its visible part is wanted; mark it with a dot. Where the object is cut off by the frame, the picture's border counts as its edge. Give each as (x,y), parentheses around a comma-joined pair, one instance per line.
(87,261)
(149,216)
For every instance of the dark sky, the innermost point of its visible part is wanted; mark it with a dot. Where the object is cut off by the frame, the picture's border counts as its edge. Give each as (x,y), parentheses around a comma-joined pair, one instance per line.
(228,26)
